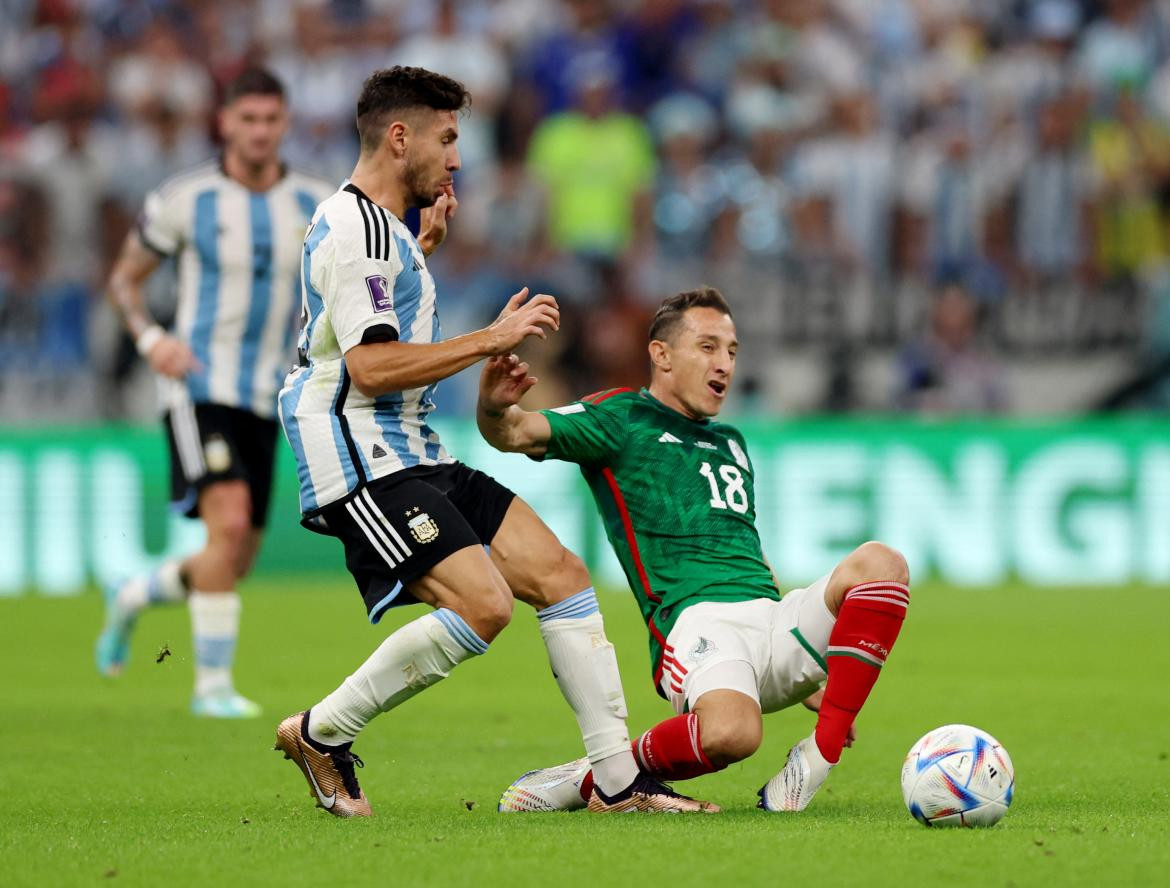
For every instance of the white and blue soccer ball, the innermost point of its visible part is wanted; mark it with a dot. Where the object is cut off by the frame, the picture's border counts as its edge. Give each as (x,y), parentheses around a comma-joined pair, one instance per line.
(958,775)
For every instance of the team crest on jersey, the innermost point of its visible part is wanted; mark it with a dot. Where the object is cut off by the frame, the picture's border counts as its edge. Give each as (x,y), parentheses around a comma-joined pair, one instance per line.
(737,452)
(217,454)
(423,527)
(701,650)
(379,292)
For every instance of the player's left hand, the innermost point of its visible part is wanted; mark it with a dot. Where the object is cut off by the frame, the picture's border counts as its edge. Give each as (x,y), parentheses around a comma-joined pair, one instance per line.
(813,702)
(433,220)
(504,381)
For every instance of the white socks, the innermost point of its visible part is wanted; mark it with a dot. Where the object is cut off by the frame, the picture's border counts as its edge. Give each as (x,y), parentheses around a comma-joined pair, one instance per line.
(412,659)
(215,624)
(162,586)
(585,666)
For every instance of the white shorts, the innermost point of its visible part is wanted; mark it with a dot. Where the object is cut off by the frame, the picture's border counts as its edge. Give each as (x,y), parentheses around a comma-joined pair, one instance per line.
(772,651)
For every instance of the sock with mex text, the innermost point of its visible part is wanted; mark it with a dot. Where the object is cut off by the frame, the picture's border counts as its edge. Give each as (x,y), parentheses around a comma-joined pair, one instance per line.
(215,625)
(418,655)
(585,666)
(163,585)
(867,626)
(671,750)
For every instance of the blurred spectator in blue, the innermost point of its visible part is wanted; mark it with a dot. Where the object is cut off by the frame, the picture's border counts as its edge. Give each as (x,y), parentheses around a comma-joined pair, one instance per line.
(848,176)
(159,70)
(597,165)
(324,79)
(474,60)
(588,37)
(648,41)
(690,191)
(947,371)
(1054,218)
(709,55)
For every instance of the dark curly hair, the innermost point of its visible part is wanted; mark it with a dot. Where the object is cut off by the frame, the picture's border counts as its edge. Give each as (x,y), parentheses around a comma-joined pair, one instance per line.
(670,314)
(393,90)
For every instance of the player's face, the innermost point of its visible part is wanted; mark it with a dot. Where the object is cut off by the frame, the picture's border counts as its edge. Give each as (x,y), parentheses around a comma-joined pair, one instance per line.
(702,362)
(431,157)
(252,127)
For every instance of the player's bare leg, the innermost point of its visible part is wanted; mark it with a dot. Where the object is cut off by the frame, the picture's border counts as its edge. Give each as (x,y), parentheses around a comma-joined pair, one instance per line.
(868,595)
(543,573)
(212,574)
(472,606)
(207,581)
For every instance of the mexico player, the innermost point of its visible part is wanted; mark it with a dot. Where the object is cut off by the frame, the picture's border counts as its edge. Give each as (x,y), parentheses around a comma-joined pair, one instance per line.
(676,491)
(413,521)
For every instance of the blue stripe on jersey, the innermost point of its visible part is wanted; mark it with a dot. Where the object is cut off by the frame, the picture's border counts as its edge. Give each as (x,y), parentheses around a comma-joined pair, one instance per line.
(428,398)
(307,203)
(261,301)
(388,407)
(289,399)
(313,299)
(407,290)
(388,416)
(207,248)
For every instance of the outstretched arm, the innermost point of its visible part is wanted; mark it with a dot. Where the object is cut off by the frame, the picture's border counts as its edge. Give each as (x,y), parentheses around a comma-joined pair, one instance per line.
(381,367)
(502,422)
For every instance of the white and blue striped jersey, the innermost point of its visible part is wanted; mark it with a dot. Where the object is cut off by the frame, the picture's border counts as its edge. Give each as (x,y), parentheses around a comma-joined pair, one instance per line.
(238,254)
(363,279)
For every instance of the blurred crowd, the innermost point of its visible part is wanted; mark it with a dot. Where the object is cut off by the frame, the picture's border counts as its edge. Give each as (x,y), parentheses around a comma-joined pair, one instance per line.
(946,180)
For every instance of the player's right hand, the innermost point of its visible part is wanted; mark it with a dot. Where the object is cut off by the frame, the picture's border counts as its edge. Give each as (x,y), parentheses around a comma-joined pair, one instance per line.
(503,382)
(172,357)
(521,319)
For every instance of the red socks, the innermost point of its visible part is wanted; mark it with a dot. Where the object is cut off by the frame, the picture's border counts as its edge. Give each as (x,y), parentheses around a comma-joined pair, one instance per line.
(866,629)
(669,751)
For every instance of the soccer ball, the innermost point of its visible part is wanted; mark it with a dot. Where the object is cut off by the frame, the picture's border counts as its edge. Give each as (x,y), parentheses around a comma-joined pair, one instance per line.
(958,775)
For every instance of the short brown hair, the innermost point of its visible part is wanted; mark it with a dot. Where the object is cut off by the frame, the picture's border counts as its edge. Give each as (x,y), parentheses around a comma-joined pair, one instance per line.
(669,316)
(400,88)
(253,81)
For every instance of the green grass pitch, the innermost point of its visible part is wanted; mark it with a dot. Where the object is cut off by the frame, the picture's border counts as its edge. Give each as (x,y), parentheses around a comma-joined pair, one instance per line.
(112,782)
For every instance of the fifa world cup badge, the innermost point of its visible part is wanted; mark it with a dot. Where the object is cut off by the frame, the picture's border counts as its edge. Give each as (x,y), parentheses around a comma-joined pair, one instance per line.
(423,528)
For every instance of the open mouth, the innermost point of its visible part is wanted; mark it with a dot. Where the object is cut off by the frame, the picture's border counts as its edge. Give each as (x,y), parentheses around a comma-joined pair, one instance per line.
(718,389)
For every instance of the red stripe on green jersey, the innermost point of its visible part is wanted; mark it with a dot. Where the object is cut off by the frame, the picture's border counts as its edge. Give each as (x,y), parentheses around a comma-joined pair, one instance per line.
(677,499)
(598,397)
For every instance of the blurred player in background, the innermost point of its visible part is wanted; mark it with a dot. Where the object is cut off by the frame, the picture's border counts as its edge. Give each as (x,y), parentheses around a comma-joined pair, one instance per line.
(414,522)
(234,225)
(676,491)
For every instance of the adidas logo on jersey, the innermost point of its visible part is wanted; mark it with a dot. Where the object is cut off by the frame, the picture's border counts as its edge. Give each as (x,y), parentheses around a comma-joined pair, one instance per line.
(706,445)
(377,451)
(668,438)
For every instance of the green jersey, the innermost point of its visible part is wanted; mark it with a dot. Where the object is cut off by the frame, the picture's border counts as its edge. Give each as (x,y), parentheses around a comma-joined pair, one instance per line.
(677,497)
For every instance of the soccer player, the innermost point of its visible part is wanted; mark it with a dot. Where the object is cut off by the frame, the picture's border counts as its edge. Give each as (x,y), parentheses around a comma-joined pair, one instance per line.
(676,490)
(234,225)
(414,522)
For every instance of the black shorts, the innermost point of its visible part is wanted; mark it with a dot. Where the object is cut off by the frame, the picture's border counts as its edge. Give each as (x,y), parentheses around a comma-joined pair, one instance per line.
(210,443)
(397,528)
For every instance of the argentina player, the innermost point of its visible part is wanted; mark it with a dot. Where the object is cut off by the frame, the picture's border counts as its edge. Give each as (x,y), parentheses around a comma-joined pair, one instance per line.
(413,521)
(234,226)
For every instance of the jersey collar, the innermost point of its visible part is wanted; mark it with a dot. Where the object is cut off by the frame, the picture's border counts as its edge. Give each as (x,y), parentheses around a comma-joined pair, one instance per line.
(645,393)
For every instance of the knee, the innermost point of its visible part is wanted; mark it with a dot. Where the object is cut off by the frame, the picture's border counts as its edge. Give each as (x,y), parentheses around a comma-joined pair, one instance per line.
(874,561)
(231,535)
(568,575)
(730,739)
(563,574)
(490,612)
